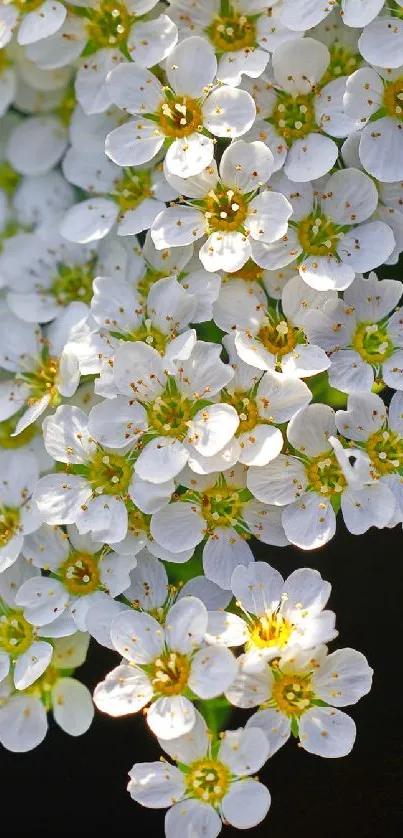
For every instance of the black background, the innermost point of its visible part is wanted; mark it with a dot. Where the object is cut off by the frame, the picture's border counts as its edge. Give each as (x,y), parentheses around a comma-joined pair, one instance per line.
(78,786)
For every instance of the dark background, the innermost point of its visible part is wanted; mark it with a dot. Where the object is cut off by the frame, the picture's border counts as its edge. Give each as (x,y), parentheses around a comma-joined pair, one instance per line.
(78,786)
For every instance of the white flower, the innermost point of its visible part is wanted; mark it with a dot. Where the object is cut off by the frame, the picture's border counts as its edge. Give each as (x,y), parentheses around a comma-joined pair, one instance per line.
(300,107)
(364,341)
(379,432)
(36,144)
(303,14)
(266,336)
(301,695)
(217,507)
(229,209)
(34,19)
(174,410)
(181,116)
(241,32)
(23,722)
(22,653)
(18,514)
(80,569)
(277,614)
(164,662)
(376,99)
(313,482)
(331,235)
(44,364)
(381,42)
(94,495)
(210,787)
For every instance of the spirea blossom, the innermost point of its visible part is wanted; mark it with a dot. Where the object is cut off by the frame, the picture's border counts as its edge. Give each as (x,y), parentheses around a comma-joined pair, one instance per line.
(195,355)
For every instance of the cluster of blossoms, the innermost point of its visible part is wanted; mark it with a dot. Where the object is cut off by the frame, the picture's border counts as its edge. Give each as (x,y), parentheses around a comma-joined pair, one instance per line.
(195,353)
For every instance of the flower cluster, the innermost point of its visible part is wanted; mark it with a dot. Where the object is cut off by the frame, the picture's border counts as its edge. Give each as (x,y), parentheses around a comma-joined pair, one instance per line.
(195,353)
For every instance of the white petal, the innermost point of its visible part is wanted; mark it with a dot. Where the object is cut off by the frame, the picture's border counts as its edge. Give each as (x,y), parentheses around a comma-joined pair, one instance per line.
(246,165)
(23,723)
(210,594)
(60,497)
(127,689)
(224,551)
(156,784)
(36,144)
(137,636)
(381,149)
(268,216)
(90,220)
(349,373)
(186,624)
(117,422)
(298,64)
(32,664)
(310,158)
(177,226)
(43,599)
(246,804)
(134,89)
(343,678)
(91,87)
(134,143)
(280,482)
(257,587)
(41,23)
(191,746)
(353,197)
(381,43)
(192,817)
(212,671)
(274,724)
(310,429)
(368,507)
(162,459)
(225,251)
(177,527)
(310,522)
(150,41)
(171,716)
(244,750)
(191,67)
(229,112)
(326,732)
(279,398)
(212,428)
(73,709)
(189,156)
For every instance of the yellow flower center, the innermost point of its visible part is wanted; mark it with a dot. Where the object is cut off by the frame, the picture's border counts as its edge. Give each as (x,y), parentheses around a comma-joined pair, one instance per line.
(149,278)
(279,338)
(110,23)
(318,235)
(225,210)
(170,414)
(343,62)
(169,673)
(221,506)
(246,409)
(292,693)
(208,780)
(325,475)
(294,117)
(180,116)
(270,630)
(232,31)
(9,524)
(109,474)
(16,634)
(73,283)
(385,448)
(393,99)
(138,522)
(372,342)
(43,381)
(80,574)
(8,427)
(26,6)
(132,189)
(251,272)
(151,335)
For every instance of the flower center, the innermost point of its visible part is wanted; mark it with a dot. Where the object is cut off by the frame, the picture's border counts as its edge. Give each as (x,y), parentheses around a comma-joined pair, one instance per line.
(279,338)
(246,409)
(9,179)
(43,381)
(170,673)
(109,474)
(179,117)
(231,31)
(393,99)
(170,414)
(9,524)
(385,449)
(148,280)
(109,23)
(73,282)
(132,189)
(80,574)
(271,630)
(138,522)
(343,62)
(26,6)
(318,235)
(8,427)
(249,273)
(151,335)
(221,506)
(16,634)
(372,342)
(208,780)
(294,117)
(292,693)
(325,475)
(225,209)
